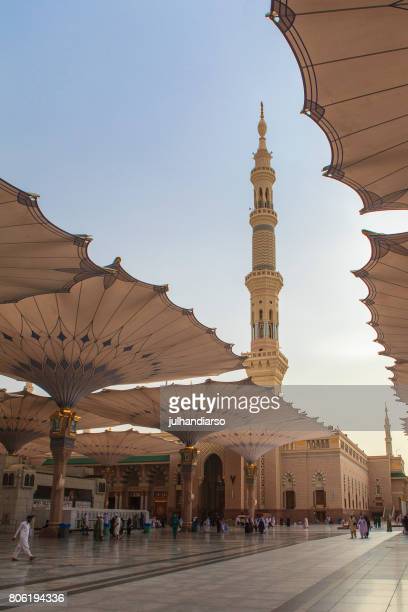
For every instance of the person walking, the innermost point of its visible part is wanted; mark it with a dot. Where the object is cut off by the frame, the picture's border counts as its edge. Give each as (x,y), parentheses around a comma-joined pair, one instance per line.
(362,526)
(175,524)
(23,534)
(368,525)
(117,526)
(84,524)
(106,524)
(129,526)
(305,523)
(353,527)
(98,528)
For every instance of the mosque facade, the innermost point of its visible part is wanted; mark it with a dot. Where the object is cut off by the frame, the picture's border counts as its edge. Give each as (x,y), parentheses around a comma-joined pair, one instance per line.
(319,479)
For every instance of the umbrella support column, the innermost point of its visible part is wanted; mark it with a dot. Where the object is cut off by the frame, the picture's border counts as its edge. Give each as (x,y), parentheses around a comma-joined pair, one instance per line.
(188,465)
(250,479)
(62,441)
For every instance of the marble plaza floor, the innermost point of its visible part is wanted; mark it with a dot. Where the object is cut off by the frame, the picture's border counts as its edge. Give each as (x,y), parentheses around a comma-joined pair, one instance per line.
(286,570)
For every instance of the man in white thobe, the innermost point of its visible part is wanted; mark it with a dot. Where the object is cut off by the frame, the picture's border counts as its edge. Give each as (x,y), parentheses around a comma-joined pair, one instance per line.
(23,534)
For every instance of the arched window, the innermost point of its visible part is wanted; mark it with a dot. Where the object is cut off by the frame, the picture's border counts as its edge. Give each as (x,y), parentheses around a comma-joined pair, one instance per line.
(270,314)
(260,195)
(261,315)
(29,480)
(8,479)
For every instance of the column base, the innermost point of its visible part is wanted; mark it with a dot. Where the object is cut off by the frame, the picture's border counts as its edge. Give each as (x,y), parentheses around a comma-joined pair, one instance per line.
(187,527)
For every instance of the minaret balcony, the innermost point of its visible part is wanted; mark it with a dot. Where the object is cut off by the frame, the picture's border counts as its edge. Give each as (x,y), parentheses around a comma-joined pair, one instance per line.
(263,215)
(266,368)
(264,279)
(261,172)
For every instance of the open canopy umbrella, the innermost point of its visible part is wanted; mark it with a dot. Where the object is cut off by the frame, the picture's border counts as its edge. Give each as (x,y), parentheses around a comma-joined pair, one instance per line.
(36,256)
(353,57)
(137,406)
(108,330)
(110,447)
(386,278)
(25,417)
(248,433)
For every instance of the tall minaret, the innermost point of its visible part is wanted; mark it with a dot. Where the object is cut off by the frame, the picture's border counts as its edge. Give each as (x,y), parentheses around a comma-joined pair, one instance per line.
(387,429)
(265,364)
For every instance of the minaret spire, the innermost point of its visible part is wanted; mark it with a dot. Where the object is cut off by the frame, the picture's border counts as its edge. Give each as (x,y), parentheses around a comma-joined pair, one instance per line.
(388,438)
(265,364)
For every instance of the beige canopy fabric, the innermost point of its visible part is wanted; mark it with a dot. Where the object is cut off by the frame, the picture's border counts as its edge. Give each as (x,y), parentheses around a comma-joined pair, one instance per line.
(110,447)
(107,330)
(36,257)
(140,406)
(36,451)
(137,406)
(253,442)
(25,417)
(353,57)
(404,421)
(386,277)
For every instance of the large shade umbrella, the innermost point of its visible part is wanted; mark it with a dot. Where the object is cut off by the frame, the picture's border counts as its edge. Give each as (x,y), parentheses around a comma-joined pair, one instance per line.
(249,434)
(138,405)
(262,433)
(386,278)
(141,406)
(353,56)
(110,447)
(36,451)
(25,417)
(110,329)
(36,256)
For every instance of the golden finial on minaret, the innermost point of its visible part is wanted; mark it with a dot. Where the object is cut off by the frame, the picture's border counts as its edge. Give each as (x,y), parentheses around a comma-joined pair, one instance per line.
(265,364)
(262,129)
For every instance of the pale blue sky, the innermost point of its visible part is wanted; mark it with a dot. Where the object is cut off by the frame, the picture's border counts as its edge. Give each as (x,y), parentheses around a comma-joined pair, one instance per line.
(136,120)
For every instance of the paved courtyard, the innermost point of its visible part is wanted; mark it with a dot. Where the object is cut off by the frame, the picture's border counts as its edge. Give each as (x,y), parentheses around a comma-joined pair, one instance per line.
(287,569)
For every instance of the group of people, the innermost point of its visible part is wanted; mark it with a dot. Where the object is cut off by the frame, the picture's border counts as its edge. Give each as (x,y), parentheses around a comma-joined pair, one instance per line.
(204,525)
(262,523)
(259,524)
(362,523)
(115,526)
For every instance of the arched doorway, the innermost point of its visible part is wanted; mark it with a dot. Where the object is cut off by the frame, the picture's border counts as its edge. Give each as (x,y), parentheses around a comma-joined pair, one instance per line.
(212,493)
